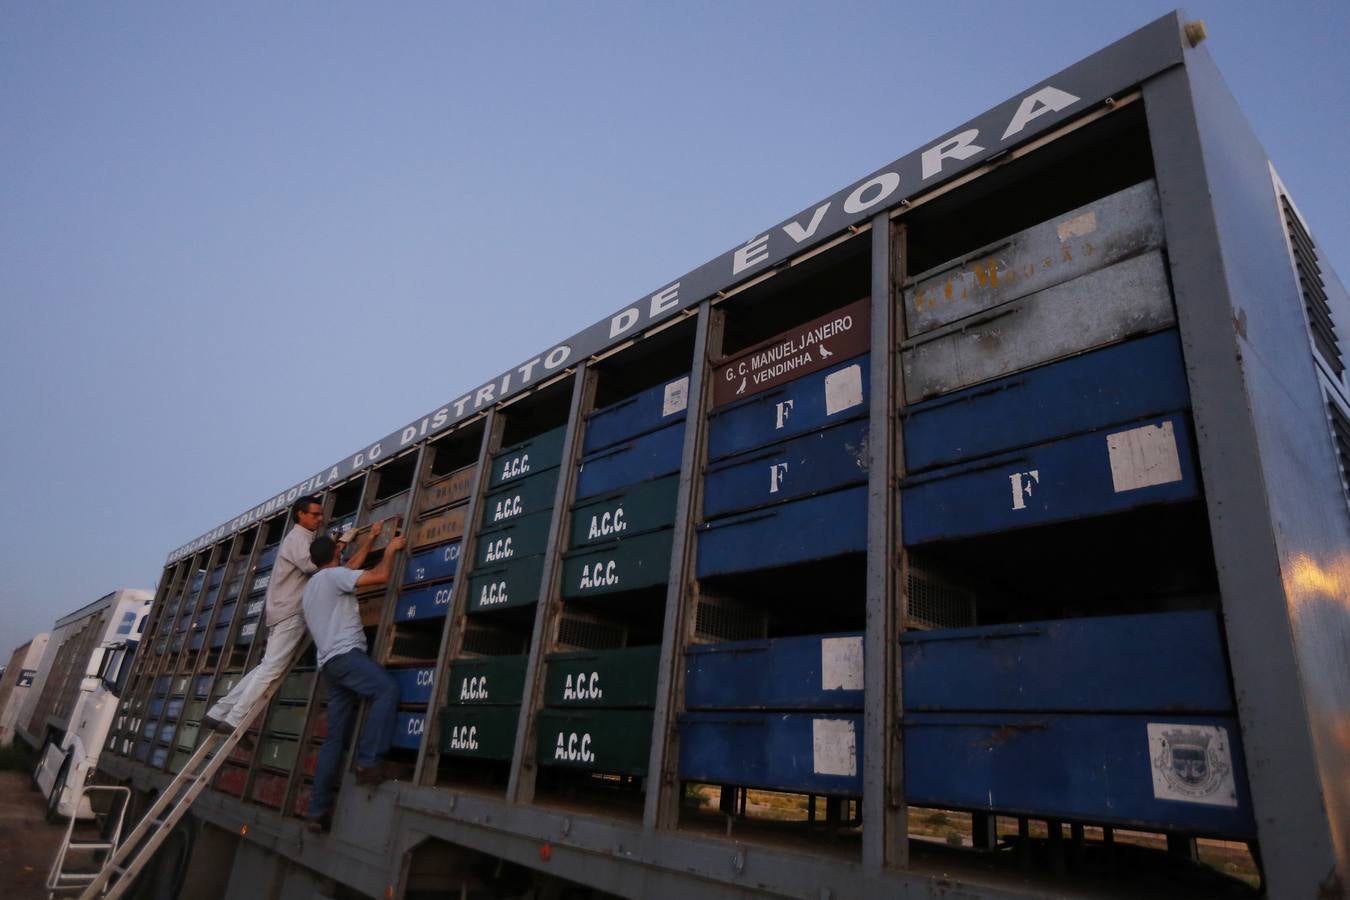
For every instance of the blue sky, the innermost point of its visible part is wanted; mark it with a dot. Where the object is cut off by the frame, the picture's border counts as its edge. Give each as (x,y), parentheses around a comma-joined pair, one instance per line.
(238,242)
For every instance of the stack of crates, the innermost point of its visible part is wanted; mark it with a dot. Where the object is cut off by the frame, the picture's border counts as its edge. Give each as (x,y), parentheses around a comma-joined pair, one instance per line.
(509,553)
(786,484)
(309,752)
(598,710)
(220,632)
(257,597)
(1045,386)
(280,746)
(233,775)
(483,708)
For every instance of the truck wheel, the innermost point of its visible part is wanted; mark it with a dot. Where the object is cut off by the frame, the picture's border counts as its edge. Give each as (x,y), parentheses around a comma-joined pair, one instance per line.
(54,798)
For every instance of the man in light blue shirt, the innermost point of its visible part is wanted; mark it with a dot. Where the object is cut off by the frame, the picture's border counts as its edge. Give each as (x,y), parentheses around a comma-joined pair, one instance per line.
(334,621)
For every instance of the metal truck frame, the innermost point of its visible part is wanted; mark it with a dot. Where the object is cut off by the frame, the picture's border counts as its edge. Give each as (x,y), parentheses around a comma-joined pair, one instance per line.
(1258,319)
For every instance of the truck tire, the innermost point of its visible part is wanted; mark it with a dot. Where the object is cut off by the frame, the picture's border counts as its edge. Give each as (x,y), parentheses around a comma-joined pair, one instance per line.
(162,878)
(54,816)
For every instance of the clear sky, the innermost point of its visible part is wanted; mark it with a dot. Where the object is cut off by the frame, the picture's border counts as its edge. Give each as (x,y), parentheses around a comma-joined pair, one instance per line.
(240,241)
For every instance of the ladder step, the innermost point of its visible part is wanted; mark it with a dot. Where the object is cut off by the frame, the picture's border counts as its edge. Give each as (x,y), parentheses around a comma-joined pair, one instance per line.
(90,845)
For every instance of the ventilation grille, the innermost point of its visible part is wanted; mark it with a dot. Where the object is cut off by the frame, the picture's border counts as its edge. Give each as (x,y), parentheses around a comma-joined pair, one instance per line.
(487,641)
(579,631)
(1313,289)
(720,619)
(932,601)
(1340,433)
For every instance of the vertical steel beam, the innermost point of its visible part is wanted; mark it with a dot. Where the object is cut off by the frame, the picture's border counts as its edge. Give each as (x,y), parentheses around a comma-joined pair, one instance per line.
(452,634)
(884,838)
(520,785)
(661,807)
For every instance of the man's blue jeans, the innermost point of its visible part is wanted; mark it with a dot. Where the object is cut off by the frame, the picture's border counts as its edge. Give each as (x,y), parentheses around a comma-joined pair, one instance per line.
(351,677)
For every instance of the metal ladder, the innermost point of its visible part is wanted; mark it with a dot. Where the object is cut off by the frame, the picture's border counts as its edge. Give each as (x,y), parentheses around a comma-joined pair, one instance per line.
(58,879)
(131,855)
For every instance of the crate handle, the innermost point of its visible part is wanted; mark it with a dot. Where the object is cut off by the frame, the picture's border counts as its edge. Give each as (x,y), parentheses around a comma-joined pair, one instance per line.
(987,636)
(960,326)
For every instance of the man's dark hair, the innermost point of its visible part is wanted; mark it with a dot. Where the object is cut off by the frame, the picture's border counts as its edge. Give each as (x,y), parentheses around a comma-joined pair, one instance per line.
(301,505)
(321,550)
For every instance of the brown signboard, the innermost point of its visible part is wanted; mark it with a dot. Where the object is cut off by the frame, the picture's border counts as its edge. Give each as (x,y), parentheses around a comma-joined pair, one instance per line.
(815,345)
(445,527)
(450,489)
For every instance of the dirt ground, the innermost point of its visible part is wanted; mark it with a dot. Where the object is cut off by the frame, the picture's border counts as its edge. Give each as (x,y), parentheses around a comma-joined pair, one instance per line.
(27,843)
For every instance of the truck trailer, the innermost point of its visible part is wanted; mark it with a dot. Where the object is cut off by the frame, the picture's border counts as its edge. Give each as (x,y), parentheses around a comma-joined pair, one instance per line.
(981,530)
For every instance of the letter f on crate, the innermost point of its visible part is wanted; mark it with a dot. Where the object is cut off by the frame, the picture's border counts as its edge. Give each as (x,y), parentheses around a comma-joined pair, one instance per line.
(1022,483)
(777,472)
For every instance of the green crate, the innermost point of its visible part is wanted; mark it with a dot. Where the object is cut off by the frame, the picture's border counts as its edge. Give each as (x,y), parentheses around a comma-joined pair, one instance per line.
(541,452)
(487,680)
(178,760)
(506,587)
(278,752)
(602,678)
(194,711)
(225,683)
(616,741)
(479,732)
(187,737)
(625,565)
(520,499)
(180,685)
(297,686)
(287,719)
(516,539)
(644,507)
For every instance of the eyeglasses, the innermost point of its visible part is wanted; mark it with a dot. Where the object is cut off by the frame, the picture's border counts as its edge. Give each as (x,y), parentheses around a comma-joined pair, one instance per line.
(312,512)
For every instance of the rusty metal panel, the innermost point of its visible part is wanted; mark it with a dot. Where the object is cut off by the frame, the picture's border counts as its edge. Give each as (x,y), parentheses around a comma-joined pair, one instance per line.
(442,527)
(448,489)
(815,345)
(1131,297)
(1079,242)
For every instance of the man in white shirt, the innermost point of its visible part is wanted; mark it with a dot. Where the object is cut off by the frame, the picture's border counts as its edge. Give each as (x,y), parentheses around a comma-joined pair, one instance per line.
(285,625)
(334,621)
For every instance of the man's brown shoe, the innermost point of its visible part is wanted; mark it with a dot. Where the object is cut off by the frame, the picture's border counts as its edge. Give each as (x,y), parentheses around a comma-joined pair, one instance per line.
(319,824)
(374,775)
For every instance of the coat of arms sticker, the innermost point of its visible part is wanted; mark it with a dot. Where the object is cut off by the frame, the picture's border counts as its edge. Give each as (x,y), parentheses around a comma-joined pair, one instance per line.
(1192,764)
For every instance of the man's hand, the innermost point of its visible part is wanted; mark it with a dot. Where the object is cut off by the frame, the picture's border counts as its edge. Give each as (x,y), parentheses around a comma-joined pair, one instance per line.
(376,529)
(395,543)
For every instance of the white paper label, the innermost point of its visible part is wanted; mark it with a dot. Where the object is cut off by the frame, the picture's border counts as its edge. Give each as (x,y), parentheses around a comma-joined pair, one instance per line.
(835,747)
(1191,764)
(841,664)
(1143,457)
(843,389)
(1077,226)
(677,397)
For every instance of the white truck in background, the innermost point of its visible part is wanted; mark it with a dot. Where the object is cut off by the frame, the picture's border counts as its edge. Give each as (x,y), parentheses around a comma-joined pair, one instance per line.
(87,668)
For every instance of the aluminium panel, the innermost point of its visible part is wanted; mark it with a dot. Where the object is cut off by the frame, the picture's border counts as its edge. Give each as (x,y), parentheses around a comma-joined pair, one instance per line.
(818,753)
(614,741)
(821,461)
(529,495)
(1141,464)
(1159,772)
(1171,661)
(627,564)
(1076,243)
(514,539)
(644,507)
(812,672)
(625,677)
(539,453)
(432,565)
(785,534)
(487,680)
(794,408)
(647,456)
(645,411)
(506,587)
(1129,298)
(1120,383)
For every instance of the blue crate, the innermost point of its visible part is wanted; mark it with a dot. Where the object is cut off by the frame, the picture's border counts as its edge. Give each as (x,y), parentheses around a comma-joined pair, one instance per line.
(162,685)
(821,461)
(414,685)
(142,750)
(152,718)
(815,528)
(201,686)
(219,635)
(167,729)
(810,753)
(158,756)
(1122,383)
(807,404)
(1069,479)
(815,672)
(266,558)
(1170,661)
(1107,769)
(432,565)
(651,455)
(408,730)
(644,411)
(424,603)
(173,708)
